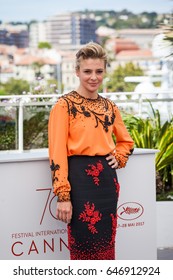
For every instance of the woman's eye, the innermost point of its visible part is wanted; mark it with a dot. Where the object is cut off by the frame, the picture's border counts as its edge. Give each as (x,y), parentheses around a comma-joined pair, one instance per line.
(99,71)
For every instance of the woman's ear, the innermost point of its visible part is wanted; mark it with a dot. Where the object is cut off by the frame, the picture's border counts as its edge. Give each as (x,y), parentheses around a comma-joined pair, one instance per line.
(77,72)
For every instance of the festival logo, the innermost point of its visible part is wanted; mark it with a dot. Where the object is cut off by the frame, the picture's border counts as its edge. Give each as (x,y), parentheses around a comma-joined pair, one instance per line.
(130,211)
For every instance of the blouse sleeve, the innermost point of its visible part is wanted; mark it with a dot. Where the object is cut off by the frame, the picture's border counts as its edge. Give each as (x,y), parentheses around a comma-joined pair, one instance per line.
(58,135)
(124,143)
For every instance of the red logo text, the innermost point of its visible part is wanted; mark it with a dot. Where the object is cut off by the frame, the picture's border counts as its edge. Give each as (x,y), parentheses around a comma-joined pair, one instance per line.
(130,211)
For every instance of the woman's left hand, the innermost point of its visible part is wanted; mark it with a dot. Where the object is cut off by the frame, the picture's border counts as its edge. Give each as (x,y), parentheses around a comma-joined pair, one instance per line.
(112,161)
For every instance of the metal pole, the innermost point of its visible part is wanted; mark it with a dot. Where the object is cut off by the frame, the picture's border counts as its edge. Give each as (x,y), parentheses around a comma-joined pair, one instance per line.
(20,126)
(59,77)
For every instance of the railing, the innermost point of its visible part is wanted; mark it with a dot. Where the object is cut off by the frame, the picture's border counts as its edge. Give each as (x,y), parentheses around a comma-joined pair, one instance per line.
(21,101)
(123,99)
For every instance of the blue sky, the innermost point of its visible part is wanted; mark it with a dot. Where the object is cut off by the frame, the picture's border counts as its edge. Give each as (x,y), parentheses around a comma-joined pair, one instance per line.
(21,10)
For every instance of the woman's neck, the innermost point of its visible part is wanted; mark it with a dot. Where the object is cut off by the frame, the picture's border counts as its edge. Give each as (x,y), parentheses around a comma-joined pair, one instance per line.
(87,94)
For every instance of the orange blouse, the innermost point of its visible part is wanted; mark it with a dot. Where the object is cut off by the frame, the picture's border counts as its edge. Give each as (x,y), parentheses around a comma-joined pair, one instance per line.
(83,126)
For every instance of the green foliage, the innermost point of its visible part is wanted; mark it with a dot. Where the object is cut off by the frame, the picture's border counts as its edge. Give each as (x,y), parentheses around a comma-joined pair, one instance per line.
(35,130)
(165,146)
(163,197)
(41,86)
(35,122)
(14,86)
(2,91)
(7,135)
(126,19)
(151,133)
(169,37)
(37,68)
(116,79)
(44,45)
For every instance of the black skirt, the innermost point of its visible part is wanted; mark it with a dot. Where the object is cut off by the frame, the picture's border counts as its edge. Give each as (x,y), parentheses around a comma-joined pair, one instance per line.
(94,196)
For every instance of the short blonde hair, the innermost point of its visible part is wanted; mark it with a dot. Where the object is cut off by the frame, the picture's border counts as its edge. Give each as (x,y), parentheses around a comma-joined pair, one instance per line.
(91,50)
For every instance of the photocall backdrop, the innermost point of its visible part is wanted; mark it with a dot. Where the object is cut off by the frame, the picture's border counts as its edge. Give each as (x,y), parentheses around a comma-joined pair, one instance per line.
(30,230)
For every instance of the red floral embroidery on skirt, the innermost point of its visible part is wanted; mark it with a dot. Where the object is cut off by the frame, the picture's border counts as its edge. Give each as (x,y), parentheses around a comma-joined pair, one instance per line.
(95,171)
(91,216)
(114,227)
(117,185)
(70,237)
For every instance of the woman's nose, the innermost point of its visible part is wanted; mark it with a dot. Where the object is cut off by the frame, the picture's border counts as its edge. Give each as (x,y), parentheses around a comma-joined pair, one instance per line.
(93,76)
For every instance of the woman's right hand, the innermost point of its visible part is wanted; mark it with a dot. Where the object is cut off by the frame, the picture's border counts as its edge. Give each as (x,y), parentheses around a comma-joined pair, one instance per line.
(64,211)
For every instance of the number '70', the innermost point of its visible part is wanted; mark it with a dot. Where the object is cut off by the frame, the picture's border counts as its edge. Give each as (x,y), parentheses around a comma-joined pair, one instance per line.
(48,203)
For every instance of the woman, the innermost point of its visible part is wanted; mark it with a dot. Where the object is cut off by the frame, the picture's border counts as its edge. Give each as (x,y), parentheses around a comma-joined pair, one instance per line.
(84,159)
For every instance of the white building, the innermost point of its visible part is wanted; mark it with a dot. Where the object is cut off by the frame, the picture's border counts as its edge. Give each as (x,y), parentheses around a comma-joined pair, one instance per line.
(64,30)
(60,28)
(142,37)
(69,79)
(37,33)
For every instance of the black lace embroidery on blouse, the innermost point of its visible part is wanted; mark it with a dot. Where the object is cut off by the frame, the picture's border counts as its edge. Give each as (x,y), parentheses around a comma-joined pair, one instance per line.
(77,107)
(131,151)
(53,168)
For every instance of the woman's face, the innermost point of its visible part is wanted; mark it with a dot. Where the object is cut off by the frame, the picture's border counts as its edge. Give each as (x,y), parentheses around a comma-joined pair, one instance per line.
(91,74)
